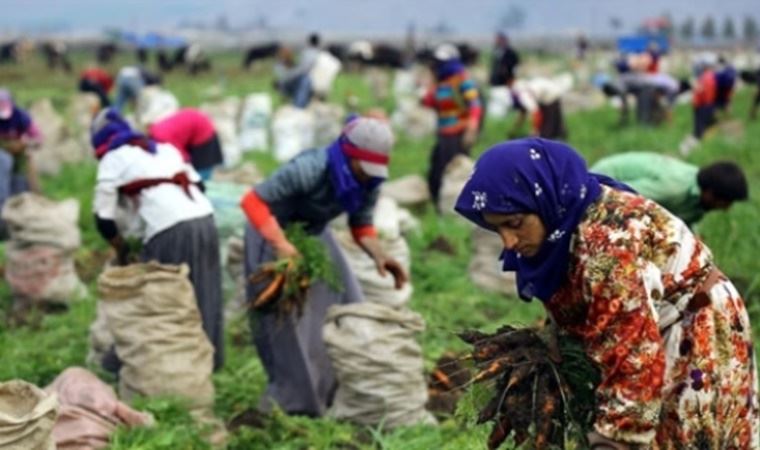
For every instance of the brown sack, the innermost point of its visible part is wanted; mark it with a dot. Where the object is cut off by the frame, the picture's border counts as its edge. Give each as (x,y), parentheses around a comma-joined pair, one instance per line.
(152,314)
(34,219)
(27,415)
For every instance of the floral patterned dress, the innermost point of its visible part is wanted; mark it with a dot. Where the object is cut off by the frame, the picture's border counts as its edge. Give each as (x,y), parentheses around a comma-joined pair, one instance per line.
(668,330)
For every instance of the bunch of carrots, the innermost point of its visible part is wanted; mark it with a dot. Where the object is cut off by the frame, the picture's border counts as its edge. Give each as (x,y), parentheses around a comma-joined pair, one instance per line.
(542,388)
(290,279)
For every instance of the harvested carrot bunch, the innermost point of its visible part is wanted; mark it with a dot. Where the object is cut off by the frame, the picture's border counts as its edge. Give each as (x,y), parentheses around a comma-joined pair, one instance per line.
(533,399)
(290,279)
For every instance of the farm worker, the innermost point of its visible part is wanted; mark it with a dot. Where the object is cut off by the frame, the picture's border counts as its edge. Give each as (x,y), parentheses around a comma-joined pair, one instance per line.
(147,182)
(705,92)
(541,98)
(504,61)
(725,82)
(456,101)
(97,81)
(18,134)
(668,331)
(187,129)
(130,81)
(683,189)
(293,79)
(312,189)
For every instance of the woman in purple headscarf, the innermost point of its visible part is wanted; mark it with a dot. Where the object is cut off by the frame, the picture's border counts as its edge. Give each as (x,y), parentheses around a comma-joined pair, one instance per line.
(667,329)
(18,133)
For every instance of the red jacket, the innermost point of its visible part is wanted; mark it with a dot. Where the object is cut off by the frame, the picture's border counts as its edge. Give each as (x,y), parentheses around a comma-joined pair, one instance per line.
(99,76)
(705,89)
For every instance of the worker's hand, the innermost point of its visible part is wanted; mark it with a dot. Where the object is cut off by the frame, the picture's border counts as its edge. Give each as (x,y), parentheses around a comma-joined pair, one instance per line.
(469,137)
(286,250)
(386,264)
(13,146)
(599,442)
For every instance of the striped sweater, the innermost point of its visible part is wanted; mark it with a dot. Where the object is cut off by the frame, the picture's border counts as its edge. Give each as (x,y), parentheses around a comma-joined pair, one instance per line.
(457,102)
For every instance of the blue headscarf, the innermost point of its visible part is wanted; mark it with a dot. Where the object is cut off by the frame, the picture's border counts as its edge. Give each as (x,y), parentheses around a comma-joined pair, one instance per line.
(111,132)
(445,69)
(542,177)
(350,192)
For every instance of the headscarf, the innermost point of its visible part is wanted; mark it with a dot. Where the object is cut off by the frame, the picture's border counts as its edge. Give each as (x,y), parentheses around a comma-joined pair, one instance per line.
(110,131)
(537,176)
(17,122)
(350,192)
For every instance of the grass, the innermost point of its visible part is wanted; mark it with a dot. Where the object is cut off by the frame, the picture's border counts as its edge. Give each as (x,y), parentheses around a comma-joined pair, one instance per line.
(443,293)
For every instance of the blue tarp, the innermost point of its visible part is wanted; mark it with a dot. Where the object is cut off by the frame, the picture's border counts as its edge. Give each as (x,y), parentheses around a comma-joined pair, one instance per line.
(638,44)
(152,40)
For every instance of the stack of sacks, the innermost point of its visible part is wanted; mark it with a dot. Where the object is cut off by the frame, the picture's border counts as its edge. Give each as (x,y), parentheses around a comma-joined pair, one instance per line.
(40,254)
(59,145)
(372,345)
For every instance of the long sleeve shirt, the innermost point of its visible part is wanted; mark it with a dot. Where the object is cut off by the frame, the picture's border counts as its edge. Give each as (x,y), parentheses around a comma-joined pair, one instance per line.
(457,102)
(668,181)
(301,191)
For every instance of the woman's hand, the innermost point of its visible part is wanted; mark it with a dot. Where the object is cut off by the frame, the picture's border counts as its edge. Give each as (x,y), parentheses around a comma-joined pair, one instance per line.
(285,250)
(386,264)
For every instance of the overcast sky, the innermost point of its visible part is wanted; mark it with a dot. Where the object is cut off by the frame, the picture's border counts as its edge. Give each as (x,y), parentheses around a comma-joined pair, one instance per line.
(469,16)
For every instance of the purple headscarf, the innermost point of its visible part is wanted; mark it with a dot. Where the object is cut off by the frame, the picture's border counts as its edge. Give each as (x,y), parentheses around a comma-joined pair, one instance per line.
(110,131)
(542,177)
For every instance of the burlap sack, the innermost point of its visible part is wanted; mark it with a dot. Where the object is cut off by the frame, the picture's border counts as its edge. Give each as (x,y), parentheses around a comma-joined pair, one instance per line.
(152,314)
(34,219)
(59,145)
(457,172)
(27,415)
(378,365)
(407,190)
(89,411)
(378,289)
(485,267)
(101,339)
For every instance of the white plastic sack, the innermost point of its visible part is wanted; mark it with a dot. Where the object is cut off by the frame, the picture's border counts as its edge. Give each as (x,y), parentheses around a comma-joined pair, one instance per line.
(499,102)
(59,144)
(41,274)
(378,364)
(293,132)
(323,73)
(254,122)
(328,122)
(414,119)
(224,115)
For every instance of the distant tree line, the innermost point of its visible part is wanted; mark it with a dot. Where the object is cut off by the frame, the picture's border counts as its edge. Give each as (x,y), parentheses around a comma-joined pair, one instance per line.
(709,30)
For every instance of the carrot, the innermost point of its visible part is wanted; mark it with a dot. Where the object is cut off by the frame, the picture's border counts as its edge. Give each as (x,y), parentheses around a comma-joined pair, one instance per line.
(442,379)
(499,433)
(271,291)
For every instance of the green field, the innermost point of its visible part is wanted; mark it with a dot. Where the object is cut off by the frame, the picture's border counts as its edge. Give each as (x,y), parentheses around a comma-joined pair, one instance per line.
(443,294)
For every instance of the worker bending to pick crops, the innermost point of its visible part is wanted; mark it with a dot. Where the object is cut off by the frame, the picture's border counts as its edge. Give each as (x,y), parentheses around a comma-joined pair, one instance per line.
(149,185)
(668,331)
(310,190)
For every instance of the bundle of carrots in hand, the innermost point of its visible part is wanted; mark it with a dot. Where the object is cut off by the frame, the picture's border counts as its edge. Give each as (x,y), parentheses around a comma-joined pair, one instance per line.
(543,387)
(290,279)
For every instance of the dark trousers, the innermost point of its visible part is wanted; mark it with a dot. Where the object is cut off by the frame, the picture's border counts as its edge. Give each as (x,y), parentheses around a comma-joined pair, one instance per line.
(446,148)
(704,118)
